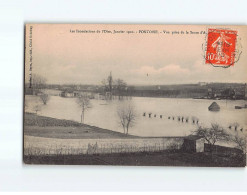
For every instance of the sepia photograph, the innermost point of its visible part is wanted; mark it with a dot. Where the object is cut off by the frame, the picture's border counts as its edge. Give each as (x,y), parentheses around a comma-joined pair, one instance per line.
(109,96)
(135,95)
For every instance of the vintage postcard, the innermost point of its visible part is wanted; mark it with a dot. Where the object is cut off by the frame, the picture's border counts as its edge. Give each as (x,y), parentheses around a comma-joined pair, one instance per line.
(139,95)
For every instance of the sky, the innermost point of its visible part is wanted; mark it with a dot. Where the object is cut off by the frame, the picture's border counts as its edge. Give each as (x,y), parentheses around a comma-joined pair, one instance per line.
(63,57)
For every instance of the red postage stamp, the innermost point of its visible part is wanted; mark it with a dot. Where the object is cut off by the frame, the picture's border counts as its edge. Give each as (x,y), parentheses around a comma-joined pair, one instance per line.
(221,45)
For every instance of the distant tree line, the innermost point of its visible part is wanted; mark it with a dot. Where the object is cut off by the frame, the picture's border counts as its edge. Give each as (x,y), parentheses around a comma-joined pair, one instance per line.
(170,93)
(115,88)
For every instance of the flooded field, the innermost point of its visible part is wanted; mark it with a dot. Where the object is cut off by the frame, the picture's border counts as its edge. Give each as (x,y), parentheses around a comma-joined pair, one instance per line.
(104,114)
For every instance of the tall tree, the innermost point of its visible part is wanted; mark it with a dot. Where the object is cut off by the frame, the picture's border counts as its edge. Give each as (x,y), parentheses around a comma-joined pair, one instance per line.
(108,86)
(84,103)
(240,140)
(127,116)
(110,81)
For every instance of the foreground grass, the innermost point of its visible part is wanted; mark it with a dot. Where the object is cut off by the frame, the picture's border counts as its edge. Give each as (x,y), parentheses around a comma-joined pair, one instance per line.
(40,126)
(164,158)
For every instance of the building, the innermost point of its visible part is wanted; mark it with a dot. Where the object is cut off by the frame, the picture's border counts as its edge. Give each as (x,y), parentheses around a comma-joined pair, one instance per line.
(67,93)
(193,143)
(202,83)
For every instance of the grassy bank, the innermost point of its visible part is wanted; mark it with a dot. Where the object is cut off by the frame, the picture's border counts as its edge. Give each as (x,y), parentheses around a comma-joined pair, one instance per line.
(164,158)
(54,141)
(41,126)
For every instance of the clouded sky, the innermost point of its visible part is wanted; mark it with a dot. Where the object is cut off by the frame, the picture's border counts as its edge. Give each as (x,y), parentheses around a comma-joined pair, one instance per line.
(143,59)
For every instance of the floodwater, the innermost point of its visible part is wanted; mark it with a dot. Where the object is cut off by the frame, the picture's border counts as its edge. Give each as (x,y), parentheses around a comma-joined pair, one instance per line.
(104,114)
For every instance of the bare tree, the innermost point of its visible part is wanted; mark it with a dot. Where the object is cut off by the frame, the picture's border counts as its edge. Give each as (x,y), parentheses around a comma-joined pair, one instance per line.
(44,98)
(108,86)
(37,108)
(105,85)
(213,134)
(84,103)
(38,82)
(127,116)
(110,81)
(240,140)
